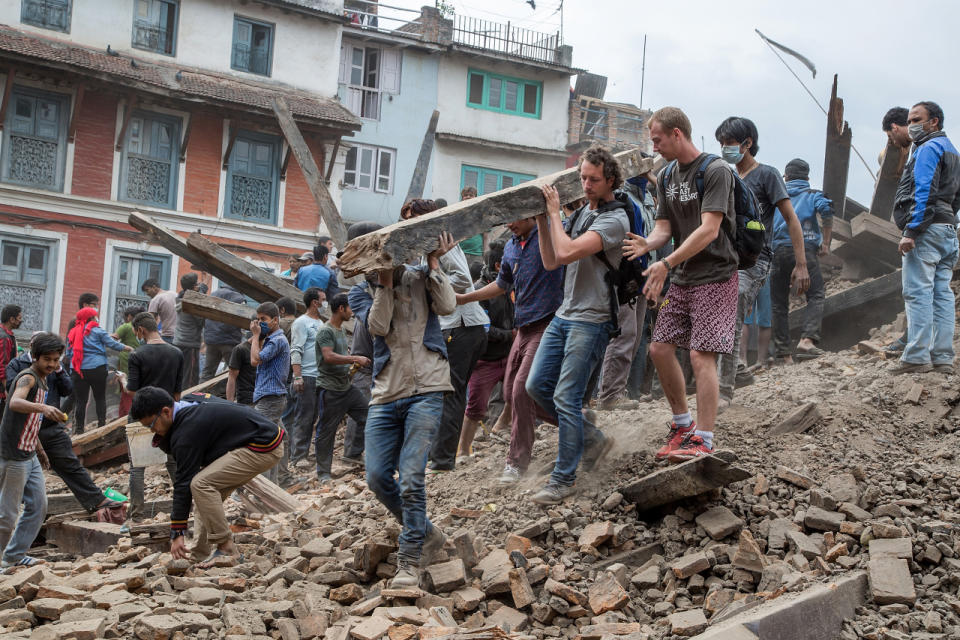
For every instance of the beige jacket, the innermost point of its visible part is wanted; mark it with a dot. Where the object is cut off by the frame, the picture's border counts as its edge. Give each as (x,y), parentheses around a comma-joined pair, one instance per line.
(399,315)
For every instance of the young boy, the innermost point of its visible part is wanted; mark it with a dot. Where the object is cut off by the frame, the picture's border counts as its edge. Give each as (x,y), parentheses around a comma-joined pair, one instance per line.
(21,476)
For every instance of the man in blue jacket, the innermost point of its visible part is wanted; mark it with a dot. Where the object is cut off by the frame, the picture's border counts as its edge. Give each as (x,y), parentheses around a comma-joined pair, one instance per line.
(807,203)
(925,208)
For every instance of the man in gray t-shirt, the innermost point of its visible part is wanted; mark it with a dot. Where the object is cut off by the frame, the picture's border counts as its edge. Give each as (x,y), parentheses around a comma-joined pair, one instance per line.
(575,340)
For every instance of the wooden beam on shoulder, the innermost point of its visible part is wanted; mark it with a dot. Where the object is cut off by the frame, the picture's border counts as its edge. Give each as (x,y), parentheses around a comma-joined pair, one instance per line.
(402,241)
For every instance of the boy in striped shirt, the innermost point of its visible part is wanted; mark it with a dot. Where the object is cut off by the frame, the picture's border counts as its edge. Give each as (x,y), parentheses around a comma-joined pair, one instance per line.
(21,455)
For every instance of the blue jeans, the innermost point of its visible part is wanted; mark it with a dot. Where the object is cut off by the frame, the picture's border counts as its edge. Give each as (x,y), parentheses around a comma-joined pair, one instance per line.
(398,436)
(20,481)
(567,355)
(927,270)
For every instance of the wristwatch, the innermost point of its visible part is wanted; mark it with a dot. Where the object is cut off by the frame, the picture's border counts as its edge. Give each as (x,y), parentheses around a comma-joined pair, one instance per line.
(666,264)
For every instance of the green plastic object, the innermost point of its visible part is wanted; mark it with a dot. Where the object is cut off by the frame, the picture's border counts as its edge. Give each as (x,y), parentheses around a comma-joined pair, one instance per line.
(113,494)
(755,224)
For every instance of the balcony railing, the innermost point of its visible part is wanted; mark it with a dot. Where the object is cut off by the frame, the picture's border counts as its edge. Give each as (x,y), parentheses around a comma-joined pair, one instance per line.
(252,60)
(384,18)
(506,39)
(152,38)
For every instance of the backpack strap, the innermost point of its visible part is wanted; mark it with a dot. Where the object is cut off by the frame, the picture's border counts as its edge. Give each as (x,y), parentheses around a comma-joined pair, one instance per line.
(612,291)
(699,179)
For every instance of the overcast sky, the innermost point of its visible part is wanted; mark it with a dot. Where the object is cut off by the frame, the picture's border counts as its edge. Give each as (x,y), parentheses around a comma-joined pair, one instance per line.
(704,57)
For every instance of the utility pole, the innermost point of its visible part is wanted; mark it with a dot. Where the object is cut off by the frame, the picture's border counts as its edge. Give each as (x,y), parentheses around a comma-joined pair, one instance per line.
(643,67)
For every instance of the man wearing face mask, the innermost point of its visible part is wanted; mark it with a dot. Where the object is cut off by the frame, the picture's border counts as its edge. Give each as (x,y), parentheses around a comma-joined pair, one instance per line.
(924,209)
(739,138)
(272,360)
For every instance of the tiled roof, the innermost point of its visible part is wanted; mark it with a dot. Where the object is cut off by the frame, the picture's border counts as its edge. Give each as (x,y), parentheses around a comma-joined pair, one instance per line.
(186,82)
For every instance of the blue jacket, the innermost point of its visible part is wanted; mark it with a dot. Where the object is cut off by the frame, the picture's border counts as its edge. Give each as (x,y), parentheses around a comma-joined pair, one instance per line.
(929,189)
(807,203)
(95,346)
(218,332)
(319,276)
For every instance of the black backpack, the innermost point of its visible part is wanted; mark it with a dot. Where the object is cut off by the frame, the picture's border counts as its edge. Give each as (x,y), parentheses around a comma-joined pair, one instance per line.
(749,238)
(624,282)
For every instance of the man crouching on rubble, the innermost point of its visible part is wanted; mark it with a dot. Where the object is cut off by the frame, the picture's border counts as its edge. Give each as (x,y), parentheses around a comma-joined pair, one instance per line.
(410,376)
(219,446)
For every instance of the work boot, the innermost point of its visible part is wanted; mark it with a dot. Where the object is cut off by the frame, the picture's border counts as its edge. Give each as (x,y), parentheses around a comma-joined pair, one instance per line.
(910,367)
(596,451)
(432,545)
(406,575)
(944,367)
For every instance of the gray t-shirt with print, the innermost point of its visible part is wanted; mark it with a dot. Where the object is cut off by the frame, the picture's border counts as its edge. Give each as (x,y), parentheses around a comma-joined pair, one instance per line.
(586,295)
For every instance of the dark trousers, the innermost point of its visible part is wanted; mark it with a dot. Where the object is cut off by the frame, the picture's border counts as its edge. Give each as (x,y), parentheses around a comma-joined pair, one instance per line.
(215,354)
(782,267)
(363,381)
(304,420)
(96,380)
(464,346)
(334,405)
(64,462)
(191,366)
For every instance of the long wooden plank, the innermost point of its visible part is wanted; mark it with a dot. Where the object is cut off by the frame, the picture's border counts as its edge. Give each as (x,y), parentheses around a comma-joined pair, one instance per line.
(166,238)
(398,243)
(204,306)
(894,157)
(419,178)
(853,297)
(312,174)
(243,276)
(836,161)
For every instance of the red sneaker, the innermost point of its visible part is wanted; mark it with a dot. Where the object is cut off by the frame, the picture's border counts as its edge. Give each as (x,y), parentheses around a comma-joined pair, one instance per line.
(677,436)
(692,447)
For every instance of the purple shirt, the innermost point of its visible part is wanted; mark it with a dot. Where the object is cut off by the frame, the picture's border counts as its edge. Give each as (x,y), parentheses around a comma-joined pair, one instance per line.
(538,292)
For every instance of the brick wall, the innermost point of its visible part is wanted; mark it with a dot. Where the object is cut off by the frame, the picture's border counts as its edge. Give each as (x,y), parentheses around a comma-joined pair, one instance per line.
(203,164)
(299,208)
(94,144)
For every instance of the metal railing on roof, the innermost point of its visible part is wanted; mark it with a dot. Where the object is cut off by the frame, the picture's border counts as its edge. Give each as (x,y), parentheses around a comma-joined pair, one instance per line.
(603,122)
(384,18)
(505,38)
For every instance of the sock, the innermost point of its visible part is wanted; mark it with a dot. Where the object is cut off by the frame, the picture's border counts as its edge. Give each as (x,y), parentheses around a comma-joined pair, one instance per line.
(683,420)
(707,437)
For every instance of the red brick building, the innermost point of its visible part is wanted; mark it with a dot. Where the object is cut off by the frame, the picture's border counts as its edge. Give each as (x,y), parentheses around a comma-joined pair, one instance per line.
(90,134)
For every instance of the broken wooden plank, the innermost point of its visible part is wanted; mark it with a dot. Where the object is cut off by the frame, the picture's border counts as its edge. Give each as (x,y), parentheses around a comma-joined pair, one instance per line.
(853,297)
(243,276)
(204,306)
(408,239)
(311,173)
(685,480)
(875,239)
(894,157)
(166,238)
(270,497)
(419,178)
(798,420)
(836,161)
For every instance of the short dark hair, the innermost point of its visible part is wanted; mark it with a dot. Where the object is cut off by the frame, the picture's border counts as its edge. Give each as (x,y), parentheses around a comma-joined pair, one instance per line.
(418,207)
(324,239)
(894,116)
(599,155)
(287,306)
(149,401)
(476,270)
(269,309)
(440,202)
(311,294)
(44,343)
(494,254)
(339,301)
(149,283)
(189,280)
(146,321)
(468,192)
(87,298)
(739,128)
(320,252)
(362,228)
(133,311)
(934,110)
(10,311)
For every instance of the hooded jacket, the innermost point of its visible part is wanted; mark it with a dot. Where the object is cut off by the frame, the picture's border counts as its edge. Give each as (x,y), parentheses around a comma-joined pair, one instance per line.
(807,203)
(929,189)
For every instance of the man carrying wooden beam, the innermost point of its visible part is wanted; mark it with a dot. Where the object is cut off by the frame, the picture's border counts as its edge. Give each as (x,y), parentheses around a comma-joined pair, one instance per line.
(575,340)
(925,209)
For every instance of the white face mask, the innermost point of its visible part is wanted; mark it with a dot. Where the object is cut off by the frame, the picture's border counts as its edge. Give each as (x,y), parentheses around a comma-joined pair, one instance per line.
(915,130)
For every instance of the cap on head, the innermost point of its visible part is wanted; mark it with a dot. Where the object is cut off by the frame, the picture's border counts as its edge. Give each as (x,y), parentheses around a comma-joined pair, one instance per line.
(797,169)
(307,255)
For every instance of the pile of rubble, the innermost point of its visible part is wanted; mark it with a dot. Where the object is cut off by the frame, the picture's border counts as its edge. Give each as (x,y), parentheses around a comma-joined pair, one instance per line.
(848,526)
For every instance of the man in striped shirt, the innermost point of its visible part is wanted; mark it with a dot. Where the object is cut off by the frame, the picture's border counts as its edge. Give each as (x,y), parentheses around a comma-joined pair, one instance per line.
(219,446)
(21,455)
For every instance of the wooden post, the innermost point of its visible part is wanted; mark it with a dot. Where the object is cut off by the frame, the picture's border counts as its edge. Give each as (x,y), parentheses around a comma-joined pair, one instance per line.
(419,178)
(7,90)
(836,161)
(328,209)
(131,105)
(166,238)
(75,117)
(399,242)
(894,157)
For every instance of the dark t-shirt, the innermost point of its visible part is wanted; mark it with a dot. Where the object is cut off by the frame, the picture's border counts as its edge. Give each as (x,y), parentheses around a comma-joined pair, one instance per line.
(156,365)
(332,377)
(247,378)
(679,202)
(768,186)
(18,431)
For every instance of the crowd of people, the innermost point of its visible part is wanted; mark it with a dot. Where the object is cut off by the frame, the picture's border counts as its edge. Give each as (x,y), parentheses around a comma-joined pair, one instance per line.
(537,315)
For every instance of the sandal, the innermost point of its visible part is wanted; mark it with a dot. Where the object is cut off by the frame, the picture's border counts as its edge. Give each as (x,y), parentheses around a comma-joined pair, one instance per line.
(25,561)
(209,563)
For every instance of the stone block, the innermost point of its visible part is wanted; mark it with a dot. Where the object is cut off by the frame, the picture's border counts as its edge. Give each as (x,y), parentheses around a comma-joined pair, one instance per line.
(447,576)
(595,534)
(890,581)
(606,594)
(566,592)
(509,619)
(520,589)
(823,520)
(372,628)
(794,477)
(719,522)
(686,566)
(51,608)
(687,623)
(467,598)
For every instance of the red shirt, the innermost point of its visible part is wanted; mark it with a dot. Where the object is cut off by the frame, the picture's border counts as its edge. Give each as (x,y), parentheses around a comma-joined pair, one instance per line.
(8,351)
